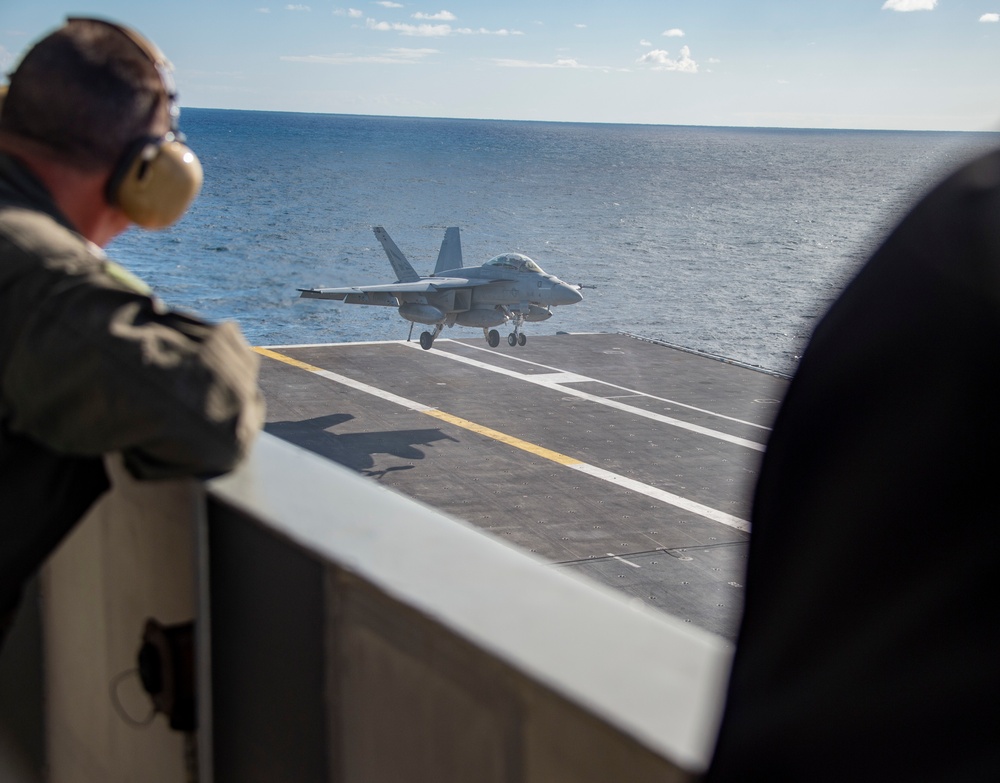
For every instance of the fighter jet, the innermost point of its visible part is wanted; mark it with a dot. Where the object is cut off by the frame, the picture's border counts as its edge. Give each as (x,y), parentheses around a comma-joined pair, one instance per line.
(508,287)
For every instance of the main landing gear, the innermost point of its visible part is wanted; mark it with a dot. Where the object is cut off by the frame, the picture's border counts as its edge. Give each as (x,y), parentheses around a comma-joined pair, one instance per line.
(427,339)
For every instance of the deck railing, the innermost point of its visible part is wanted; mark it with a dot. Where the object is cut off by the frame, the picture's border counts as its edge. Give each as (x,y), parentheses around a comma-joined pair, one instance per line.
(346,633)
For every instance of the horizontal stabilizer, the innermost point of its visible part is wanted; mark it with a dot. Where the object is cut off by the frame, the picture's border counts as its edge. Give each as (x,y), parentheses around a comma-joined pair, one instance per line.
(404,271)
(450,255)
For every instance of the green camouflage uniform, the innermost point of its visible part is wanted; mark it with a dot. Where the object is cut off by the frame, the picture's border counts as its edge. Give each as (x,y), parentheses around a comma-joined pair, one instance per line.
(90,363)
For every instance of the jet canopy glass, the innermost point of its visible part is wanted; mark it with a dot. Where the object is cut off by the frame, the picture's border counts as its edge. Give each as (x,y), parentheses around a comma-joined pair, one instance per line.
(515,262)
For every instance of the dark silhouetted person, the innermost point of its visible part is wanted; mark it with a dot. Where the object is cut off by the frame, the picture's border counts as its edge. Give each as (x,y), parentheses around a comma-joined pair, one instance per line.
(869,646)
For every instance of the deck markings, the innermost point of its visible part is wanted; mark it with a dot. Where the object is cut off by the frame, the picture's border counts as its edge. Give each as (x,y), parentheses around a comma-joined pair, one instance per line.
(583,378)
(532,448)
(555,381)
(623,560)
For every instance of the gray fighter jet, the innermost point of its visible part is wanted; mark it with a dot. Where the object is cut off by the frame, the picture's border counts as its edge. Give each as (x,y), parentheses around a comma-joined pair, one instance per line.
(508,287)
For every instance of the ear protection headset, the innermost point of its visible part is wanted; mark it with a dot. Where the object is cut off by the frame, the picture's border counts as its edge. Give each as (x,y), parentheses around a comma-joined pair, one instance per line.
(156,178)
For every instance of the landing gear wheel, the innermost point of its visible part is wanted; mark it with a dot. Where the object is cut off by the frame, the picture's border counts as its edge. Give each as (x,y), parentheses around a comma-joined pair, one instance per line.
(426,340)
(512,339)
(521,339)
(493,338)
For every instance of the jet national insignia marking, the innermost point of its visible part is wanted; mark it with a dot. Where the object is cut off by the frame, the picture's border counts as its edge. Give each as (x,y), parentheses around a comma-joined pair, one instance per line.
(508,287)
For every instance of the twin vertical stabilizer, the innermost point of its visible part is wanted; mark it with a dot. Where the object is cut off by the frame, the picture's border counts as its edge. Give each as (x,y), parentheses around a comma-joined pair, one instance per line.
(450,256)
(404,271)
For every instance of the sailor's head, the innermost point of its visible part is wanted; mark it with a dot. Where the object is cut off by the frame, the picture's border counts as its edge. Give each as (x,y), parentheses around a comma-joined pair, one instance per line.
(98,96)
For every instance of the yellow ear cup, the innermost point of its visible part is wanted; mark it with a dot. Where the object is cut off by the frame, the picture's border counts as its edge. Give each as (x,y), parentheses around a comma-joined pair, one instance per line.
(160,183)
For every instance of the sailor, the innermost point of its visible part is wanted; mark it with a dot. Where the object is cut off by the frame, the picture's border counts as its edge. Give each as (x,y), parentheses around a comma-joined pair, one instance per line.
(92,364)
(868,647)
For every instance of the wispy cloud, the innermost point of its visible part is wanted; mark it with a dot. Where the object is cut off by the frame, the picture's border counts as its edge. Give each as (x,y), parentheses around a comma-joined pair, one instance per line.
(422,30)
(646,43)
(566,62)
(389,4)
(399,56)
(674,32)
(990,18)
(502,32)
(291,7)
(660,60)
(263,10)
(910,5)
(434,30)
(563,63)
(580,26)
(440,16)
(353,13)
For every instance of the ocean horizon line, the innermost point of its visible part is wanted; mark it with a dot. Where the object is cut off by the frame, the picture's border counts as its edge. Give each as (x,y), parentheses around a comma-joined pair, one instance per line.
(578,123)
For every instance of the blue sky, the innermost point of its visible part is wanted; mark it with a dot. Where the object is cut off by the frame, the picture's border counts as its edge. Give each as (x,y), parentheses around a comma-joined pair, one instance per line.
(910,64)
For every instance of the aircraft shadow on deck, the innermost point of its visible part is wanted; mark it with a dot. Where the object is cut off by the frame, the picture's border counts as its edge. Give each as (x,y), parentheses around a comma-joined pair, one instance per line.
(356,450)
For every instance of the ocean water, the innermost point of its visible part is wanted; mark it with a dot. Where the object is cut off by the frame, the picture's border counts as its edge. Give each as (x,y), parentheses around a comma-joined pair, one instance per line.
(726,240)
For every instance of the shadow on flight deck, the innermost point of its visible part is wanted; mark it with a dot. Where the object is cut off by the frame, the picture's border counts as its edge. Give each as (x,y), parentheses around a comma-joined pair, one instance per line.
(356,450)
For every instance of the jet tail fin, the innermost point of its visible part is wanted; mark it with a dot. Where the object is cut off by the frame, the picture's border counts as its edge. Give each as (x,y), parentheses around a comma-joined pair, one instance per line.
(404,271)
(450,256)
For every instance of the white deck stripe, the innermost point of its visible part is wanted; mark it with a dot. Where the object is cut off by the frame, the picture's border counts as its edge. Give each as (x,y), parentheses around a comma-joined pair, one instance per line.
(623,560)
(631,392)
(591,470)
(556,380)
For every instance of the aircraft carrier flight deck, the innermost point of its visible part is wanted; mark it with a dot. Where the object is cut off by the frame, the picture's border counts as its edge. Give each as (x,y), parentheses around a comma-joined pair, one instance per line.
(625,460)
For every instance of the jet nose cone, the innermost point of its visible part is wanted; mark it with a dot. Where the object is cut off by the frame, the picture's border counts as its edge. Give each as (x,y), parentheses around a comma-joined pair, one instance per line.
(566,294)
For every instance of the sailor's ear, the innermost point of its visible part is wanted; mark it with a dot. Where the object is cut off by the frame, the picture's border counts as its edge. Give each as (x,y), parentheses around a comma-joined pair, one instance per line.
(155,181)
(3,95)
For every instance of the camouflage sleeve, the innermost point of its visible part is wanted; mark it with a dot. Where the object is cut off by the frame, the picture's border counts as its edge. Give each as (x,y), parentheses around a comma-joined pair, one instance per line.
(98,367)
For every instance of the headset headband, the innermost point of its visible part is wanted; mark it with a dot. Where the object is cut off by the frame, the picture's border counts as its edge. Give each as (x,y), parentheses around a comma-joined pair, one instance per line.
(157,178)
(163,66)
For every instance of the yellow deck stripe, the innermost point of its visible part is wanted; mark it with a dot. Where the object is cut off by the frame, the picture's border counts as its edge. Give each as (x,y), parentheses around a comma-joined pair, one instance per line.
(287,359)
(510,440)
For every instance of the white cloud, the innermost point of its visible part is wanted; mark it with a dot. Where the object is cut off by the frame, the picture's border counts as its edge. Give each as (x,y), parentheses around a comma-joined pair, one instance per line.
(661,60)
(440,16)
(389,4)
(645,43)
(263,10)
(353,13)
(580,26)
(433,30)
(674,32)
(422,30)
(297,8)
(483,31)
(910,5)
(399,56)
(563,63)
(990,18)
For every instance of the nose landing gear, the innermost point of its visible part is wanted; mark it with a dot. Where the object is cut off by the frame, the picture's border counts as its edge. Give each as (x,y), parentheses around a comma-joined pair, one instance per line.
(517,337)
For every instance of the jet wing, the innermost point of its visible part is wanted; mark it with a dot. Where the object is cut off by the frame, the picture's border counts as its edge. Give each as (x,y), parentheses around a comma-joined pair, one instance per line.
(427,285)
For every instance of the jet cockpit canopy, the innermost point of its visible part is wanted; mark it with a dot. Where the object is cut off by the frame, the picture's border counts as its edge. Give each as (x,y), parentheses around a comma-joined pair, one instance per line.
(515,262)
